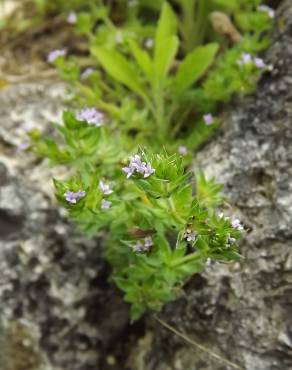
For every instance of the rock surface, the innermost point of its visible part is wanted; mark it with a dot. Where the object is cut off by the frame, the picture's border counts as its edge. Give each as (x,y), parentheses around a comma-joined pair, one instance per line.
(57,309)
(243,312)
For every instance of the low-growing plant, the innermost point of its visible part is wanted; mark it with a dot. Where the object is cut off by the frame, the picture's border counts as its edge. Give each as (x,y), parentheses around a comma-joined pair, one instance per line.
(148,105)
(160,228)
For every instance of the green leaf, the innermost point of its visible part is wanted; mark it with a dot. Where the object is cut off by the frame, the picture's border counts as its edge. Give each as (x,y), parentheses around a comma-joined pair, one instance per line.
(166,42)
(194,66)
(117,66)
(143,59)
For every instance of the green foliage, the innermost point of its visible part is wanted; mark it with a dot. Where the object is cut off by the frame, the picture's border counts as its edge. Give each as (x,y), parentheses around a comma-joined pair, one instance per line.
(157,74)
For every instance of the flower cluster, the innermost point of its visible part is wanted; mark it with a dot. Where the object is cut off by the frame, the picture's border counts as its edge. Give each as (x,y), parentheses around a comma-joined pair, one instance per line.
(91,116)
(140,247)
(72,197)
(136,165)
(55,54)
(249,59)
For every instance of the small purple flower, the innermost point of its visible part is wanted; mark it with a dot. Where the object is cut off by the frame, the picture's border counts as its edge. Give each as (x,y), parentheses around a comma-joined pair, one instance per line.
(129,171)
(149,43)
(72,18)
(208,119)
(138,247)
(105,188)
(268,10)
(22,147)
(183,150)
(91,116)
(244,59)
(148,170)
(86,73)
(191,237)
(236,224)
(72,197)
(55,54)
(259,63)
(105,204)
(136,165)
(231,240)
(148,242)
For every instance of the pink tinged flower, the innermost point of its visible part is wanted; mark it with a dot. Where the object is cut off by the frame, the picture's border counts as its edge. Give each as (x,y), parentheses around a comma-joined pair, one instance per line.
(183,150)
(259,63)
(105,188)
(86,73)
(72,18)
(91,116)
(268,10)
(72,197)
(236,224)
(208,119)
(55,54)
(105,204)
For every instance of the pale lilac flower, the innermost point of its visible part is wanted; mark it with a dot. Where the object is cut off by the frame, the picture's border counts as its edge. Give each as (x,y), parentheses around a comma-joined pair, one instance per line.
(208,119)
(86,73)
(128,170)
(72,197)
(259,63)
(55,54)
(236,224)
(244,59)
(23,146)
(231,240)
(91,116)
(183,150)
(149,43)
(138,247)
(136,165)
(72,18)
(148,171)
(105,204)
(105,188)
(268,10)
(148,242)
(191,237)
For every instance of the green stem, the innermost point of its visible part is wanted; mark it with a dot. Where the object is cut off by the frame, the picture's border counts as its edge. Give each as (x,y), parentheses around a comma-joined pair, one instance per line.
(187,259)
